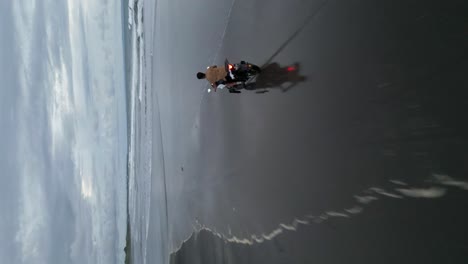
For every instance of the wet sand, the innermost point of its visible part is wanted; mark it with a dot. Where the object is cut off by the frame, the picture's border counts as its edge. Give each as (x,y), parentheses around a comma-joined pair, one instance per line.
(379,95)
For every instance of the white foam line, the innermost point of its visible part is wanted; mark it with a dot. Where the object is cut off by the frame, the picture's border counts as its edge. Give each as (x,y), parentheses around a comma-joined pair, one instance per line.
(385,193)
(273,234)
(288,227)
(321,218)
(253,238)
(337,214)
(354,210)
(431,192)
(448,181)
(257,239)
(397,182)
(301,222)
(365,199)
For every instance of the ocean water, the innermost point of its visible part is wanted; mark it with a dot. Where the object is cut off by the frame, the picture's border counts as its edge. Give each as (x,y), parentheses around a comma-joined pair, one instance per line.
(69,136)
(97,107)
(140,133)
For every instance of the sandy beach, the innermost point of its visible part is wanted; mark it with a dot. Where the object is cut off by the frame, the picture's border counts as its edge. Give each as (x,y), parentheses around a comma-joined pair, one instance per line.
(358,156)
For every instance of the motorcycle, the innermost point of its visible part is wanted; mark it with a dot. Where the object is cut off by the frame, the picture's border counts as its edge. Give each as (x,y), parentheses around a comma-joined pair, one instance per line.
(239,74)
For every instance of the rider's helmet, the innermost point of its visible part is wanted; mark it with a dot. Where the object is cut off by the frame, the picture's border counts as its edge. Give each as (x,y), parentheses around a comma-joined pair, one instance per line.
(201,75)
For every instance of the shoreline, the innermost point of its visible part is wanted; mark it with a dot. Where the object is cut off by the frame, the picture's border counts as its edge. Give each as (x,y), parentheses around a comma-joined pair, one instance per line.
(128,246)
(127,70)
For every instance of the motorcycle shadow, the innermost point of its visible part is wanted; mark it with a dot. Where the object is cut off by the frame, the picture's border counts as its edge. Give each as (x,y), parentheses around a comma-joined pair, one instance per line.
(273,76)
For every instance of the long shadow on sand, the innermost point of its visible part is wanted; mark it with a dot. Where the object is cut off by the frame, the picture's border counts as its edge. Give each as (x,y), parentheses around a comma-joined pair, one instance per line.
(274,76)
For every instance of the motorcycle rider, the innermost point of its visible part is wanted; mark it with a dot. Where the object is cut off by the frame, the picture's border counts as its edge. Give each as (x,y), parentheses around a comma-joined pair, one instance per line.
(218,77)
(214,75)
